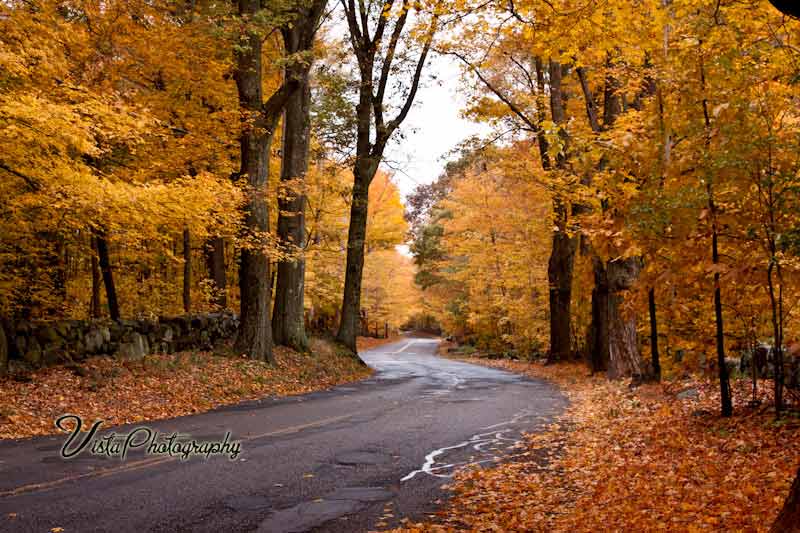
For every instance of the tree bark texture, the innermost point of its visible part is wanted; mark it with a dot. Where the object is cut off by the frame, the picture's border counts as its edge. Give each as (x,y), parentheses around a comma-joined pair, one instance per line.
(255,333)
(187,271)
(215,263)
(288,325)
(562,255)
(655,361)
(108,275)
(96,281)
(613,340)
(351,301)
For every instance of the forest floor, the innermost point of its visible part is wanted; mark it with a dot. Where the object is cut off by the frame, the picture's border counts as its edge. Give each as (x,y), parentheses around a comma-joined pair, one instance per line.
(164,386)
(656,457)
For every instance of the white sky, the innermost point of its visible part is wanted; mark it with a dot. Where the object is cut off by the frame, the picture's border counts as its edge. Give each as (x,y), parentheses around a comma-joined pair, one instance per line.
(433,127)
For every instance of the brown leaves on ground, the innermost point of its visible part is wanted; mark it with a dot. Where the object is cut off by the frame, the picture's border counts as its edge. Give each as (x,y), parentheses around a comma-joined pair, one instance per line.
(164,386)
(625,459)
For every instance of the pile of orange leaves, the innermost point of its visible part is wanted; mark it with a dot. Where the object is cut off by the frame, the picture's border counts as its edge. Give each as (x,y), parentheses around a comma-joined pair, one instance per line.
(633,459)
(164,386)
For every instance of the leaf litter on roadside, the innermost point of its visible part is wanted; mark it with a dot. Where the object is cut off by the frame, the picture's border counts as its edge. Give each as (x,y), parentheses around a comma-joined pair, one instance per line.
(632,459)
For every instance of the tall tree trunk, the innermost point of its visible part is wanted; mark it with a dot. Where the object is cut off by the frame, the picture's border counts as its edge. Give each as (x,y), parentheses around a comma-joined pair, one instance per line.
(724,380)
(598,328)
(562,255)
(187,271)
(613,342)
(4,349)
(776,305)
(655,361)
(108,276)
(215,263)
(96,280)
(788,520)
(351,301)
(559,276)
(255,334)
(288,327)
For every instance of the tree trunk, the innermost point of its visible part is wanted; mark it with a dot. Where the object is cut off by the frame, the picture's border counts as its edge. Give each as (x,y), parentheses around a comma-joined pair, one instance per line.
(776,305)
(788,520)
(724,380)
(95,305)
(4,349)
(654,357)
(108,276)
(255,334)
(187,271)
(624,358)
(613,340)
(559,275)
(215,262)
(288,326)
(562,255)
(351,301)
(598,327)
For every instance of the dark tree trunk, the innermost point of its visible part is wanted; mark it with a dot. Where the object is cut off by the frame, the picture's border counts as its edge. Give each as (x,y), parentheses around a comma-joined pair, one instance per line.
(187,271)
(559,275)
(654,357)
(215,263)
(373,132)
(258,127)
(108,276)
(776,305)
(562,256)
(95,304)
(255,334)
(724,380)
(788,520)
(613,340)
(4,349)
(288,325)
(624,358)
(351,301)
(598,328)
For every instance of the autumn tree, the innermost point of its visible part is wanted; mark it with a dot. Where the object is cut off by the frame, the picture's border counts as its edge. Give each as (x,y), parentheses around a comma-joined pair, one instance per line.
(382,44)
(288,324)
(259,121)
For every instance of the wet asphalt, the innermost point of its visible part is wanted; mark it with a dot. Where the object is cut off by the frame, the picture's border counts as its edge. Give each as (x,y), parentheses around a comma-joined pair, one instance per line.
(340,460)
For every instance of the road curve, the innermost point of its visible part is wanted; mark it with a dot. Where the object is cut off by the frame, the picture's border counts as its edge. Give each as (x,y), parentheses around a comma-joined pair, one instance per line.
(329,461)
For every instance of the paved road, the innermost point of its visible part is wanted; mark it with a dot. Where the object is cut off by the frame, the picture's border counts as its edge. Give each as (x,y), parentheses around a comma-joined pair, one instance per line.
(330,461)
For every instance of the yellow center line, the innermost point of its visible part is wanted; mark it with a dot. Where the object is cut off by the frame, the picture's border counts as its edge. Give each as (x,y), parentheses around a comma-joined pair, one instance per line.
(152,461)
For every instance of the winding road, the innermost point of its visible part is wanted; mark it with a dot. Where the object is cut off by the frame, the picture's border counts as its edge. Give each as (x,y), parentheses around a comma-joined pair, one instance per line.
(331,461)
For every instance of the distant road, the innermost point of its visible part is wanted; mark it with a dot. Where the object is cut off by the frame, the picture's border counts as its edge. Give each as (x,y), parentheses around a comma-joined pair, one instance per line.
(330,461)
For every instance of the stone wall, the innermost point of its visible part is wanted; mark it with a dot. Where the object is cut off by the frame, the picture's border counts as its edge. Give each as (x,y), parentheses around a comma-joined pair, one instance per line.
(46,343)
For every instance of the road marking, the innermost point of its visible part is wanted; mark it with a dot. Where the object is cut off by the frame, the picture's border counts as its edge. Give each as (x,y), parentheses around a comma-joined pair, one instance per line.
(477,442)
(296,429)
(144,463)
(403,348)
